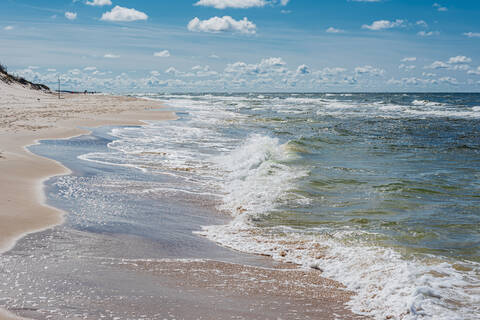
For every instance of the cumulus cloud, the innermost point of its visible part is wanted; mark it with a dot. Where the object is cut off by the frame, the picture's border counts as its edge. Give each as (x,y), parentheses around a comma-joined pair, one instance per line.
(439,7)
(203,71)
(369,70)
(266,66)
(332,71)
(428,34)
(448,80)
(89,68)
(223,24)
(239,4)
(71,15)
(422,23)
(438,65)
(475,72)
(172,71)
(99,3)
(383,24)
(409,59)
(8,28)
(472,34)
(459,60)
(334,30)
(406,67)
(162,54)
(123,14)
(412,81)
(303,69)
(453,63)
(111,56)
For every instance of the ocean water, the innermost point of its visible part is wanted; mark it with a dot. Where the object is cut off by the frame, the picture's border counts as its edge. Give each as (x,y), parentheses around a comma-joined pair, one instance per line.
(379,191)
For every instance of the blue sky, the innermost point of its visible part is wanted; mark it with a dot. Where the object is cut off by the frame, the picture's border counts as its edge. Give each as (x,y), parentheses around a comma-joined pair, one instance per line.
(244,45)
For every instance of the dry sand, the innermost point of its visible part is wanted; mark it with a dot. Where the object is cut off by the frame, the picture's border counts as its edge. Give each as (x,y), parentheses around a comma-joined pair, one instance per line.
(171,288)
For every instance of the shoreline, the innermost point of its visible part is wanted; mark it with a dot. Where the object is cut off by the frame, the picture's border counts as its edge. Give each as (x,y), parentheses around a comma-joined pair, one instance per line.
(22,207)
(28,224)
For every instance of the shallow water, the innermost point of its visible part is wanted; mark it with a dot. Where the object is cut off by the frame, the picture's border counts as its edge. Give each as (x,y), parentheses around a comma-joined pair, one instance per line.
(380,191)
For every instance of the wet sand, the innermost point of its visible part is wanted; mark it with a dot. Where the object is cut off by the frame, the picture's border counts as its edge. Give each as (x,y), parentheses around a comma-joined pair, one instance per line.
(66,273)
(27,116)
(69,274)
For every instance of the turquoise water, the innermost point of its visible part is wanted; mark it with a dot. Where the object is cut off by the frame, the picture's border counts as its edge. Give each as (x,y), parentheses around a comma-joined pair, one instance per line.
(380,191)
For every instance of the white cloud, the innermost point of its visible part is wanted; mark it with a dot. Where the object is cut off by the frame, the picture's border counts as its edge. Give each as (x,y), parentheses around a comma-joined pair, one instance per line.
(204,71)
(123,14)
(476,72)
(422,23)
(51,70)
(369,70)
(111,56)
(239,4)
(406,67)
(459,60)
(265,67)
(172,71)
(472,34)
(272,62)
(332,71)
(439,7)
(303,69)
(383,24)
(162,54)
(448,80)
(224,24)
(454,63)
(438,65)
(334,30)
(213,56)
(89,68)
(71,15)
(428,34)
(99,3)
(409,59)
(8,28)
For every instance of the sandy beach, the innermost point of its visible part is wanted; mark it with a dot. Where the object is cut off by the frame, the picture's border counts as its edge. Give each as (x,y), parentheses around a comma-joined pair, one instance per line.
(28,116)
(250,291)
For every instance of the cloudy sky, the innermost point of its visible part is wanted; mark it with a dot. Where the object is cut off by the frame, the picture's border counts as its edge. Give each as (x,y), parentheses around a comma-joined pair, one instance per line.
(244,45)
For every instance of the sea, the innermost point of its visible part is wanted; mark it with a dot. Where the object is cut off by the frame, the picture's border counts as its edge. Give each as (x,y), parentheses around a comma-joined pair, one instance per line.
(379,191)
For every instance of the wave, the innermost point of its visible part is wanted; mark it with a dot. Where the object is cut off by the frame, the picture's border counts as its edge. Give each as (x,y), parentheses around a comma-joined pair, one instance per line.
(257,175)
(386,285)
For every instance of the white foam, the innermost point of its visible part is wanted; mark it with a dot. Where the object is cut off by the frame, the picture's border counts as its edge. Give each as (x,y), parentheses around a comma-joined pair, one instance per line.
(426,103)
(387,285)
(256,174)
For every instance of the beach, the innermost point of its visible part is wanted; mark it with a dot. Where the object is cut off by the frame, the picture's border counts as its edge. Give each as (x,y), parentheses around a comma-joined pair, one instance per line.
(29,116)
(57,270)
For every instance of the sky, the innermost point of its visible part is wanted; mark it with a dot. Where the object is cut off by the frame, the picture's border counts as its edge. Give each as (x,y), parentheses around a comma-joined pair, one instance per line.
(129,46)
